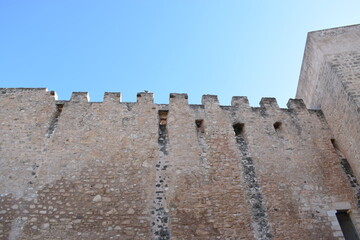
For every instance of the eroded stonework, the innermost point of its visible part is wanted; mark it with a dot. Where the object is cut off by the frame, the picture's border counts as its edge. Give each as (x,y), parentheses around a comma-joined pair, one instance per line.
(115,170)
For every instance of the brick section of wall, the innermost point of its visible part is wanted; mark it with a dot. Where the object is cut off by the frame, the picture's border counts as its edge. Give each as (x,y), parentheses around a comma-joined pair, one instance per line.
(97,174)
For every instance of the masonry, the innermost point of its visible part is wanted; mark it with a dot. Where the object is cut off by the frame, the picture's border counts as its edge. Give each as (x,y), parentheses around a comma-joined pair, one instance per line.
(117,170)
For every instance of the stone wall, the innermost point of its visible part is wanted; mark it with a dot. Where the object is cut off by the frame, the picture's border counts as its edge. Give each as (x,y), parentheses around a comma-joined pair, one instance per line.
(114,170)
(330,81)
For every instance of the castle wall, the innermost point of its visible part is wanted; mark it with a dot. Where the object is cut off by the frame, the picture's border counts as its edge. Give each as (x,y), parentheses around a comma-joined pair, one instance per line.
(114,170)
(24,118)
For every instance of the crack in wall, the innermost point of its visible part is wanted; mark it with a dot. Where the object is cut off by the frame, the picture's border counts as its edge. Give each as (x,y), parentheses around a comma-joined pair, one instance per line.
(160,224)
(259,215)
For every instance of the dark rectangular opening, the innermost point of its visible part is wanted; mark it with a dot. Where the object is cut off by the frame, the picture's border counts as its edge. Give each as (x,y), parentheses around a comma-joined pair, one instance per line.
(238,129)
(163,117)
(346,225)
(277,125)
(200,125)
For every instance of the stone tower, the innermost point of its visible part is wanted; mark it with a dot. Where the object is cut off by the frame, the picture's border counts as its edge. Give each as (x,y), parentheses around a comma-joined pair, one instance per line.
(330,81)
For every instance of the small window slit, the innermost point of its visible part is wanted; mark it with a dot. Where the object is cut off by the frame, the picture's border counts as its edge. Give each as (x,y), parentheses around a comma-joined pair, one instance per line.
(200,125)
(238,129)
(163,117)
(277,125)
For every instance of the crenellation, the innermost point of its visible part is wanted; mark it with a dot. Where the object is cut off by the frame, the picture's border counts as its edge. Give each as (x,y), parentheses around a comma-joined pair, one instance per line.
(209,100)
(112,97)
(80,97)
(269,103)
(145,97)
(178,95)
(296,104)
(178,98)
(240,101)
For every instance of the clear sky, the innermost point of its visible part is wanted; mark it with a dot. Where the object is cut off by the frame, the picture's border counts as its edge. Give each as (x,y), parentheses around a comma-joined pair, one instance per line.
(227,48)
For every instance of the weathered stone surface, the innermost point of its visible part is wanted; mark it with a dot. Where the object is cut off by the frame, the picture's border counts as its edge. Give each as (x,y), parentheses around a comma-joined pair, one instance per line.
(330,80)
(113,170)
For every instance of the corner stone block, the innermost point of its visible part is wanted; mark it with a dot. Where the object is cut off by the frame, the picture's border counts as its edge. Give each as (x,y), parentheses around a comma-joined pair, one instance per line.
(240,101)
(296,104)
(112,97)
(209,100)
(145,97)
(269,103)
(178,98)
(79,97)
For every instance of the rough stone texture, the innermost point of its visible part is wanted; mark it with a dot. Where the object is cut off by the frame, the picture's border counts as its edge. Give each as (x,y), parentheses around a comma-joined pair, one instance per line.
(330,80)
(114,170)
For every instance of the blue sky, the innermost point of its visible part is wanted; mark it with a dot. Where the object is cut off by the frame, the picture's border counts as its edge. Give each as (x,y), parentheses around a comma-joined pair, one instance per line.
(227,48)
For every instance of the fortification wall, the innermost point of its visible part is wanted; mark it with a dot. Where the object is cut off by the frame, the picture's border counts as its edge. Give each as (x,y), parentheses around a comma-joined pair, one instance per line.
(113,170)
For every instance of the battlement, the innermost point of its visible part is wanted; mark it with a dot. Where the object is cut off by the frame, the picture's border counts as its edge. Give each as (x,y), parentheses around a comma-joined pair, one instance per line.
(162,155)
(148,98)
